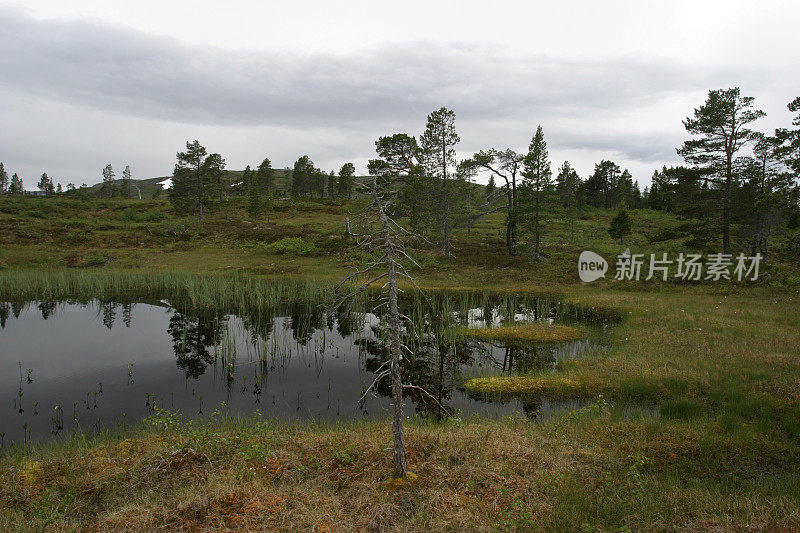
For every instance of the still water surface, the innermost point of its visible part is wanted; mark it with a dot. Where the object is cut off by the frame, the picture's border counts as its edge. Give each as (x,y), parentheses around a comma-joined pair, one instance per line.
(67,366)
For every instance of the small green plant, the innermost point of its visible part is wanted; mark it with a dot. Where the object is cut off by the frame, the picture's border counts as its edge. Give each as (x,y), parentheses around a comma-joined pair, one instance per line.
(292,246)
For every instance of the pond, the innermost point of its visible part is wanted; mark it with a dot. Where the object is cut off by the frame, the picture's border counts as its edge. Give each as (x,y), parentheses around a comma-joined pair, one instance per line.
(85,365)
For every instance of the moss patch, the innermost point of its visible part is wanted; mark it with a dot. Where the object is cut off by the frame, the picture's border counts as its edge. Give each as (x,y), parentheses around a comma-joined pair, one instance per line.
(526,333)
(521,385)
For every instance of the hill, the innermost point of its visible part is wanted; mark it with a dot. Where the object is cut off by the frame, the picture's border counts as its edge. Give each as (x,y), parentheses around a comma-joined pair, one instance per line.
(53,232)
(148,186)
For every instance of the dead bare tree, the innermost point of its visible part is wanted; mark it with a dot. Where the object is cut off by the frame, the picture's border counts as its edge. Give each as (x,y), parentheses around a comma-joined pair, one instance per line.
(384,237)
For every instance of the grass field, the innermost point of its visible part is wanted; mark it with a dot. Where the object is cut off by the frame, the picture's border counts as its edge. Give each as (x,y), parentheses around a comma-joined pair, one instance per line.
(692,420)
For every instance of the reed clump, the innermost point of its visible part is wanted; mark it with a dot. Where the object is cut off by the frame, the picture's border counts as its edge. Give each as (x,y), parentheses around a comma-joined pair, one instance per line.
(199,291)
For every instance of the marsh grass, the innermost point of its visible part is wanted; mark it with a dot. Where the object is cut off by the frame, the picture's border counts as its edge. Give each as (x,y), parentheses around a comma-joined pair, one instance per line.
(202,291)
(523,333)
(721,454)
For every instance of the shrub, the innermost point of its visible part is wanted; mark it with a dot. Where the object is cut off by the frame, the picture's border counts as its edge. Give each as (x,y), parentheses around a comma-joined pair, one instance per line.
(92,259)
(291,246)
(620,226)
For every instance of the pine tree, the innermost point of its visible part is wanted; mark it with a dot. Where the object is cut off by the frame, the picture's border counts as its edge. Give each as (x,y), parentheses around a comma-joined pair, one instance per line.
(602,187)
(401,157)
(3,179)
(319,180)
(623,191)
(721,122)
(346,178)
(193,180)
(303,177)
(214,171)
(438,148)
(59,190)
(490,187)
(109,188)
(620,225)
(254,205)
(537,188)
(789,148)
(16,186)
(248,177)
(332,185)
(127,184)
(506,164)
(46,184)
(568,183)
(266,177)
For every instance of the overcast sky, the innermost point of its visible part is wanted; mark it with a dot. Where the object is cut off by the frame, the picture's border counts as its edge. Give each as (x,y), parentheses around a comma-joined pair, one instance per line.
(86,83)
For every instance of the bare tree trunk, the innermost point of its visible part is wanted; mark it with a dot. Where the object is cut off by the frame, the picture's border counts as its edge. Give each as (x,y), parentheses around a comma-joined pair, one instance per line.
(511,226)
(400,464)
(446,203)
(726,209)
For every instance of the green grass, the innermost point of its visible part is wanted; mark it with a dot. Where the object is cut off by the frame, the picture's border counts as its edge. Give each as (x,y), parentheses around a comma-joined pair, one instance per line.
(199,291)
(53,233)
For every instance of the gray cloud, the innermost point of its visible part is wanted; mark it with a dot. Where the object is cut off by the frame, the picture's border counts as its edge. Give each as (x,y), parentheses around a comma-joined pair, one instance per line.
(499,98)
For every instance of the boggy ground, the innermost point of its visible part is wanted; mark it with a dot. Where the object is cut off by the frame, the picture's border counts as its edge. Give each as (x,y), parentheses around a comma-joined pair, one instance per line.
(692,421)
(713,444)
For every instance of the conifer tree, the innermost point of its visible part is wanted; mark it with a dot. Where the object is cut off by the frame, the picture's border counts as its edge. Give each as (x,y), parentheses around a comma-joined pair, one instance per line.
(194,180)
(620,225)
(46,184)
(16,187)
(346,179)
(332,184)
(721,124)
(3,179)
(303,177)
(491,186)
(127,184)
(266,177)
(537,188)
(568,184)
(438,149)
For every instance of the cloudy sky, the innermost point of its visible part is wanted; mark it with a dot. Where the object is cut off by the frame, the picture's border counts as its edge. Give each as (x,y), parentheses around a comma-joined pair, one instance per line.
(85,83)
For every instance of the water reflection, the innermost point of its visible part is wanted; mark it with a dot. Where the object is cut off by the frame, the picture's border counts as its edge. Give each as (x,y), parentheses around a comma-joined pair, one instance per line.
(193,336)
(115,361)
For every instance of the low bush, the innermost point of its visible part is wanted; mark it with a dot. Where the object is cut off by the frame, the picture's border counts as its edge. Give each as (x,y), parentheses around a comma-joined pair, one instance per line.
(292,246)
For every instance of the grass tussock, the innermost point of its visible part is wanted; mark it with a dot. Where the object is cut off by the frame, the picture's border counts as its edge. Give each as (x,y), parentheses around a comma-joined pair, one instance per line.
(535,332)
(522,386)
(590,470)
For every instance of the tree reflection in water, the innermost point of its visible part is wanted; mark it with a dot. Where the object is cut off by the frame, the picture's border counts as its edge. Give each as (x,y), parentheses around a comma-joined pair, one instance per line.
(438,359)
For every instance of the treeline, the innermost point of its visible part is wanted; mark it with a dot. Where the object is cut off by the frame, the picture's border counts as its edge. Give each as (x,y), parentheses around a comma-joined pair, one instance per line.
(47,187)
(737,184)
(439,192)
(733,177)
(13,185)
(200,183)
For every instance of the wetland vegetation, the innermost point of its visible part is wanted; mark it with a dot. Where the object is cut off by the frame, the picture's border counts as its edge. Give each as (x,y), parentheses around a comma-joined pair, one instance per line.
(179,363)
